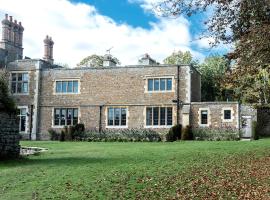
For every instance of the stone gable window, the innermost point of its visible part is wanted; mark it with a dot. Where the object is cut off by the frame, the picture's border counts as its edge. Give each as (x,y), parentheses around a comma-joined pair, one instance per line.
(158,116)
(159,84)
(117,117)
(19,83)
(65,116)
(67,87)
(227,115)
(204,117)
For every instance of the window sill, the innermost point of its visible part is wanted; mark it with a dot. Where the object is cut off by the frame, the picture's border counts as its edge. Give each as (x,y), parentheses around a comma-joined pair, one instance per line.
(227,120)
(65,93)
(20,94)
(116,127)
(204,125)
(158,126)
(154,92)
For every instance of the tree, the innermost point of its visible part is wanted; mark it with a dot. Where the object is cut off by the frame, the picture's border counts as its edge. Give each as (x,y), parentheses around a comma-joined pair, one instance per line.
(213,70)
(244,23)
(95,61)
(5,99)
(180,57)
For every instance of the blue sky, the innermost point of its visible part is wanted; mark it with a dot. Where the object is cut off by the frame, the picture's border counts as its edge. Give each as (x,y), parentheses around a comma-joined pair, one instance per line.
(83,27)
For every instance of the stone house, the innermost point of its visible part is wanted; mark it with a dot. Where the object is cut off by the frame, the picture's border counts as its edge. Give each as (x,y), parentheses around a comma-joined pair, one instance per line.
(148,95)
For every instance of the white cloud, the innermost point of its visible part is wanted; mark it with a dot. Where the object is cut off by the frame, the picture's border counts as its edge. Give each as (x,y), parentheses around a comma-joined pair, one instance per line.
(78,30)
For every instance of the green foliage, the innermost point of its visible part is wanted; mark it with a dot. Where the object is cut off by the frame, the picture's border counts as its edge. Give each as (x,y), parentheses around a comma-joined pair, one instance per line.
(174,133)
(255,132)
(213,70)
(187,133)
(54,135)
(125,135)
(5,99)
(216,134)
(180,57)
(95,61)
(62,136)
(78,132)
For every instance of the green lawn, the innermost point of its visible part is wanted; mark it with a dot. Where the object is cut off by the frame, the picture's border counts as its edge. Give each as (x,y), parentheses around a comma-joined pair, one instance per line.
(182,170)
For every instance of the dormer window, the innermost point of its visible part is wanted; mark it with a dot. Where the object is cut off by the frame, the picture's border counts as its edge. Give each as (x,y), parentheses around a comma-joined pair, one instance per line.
(19,83)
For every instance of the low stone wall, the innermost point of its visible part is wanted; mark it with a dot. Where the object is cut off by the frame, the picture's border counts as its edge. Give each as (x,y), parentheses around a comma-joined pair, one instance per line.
(9,135)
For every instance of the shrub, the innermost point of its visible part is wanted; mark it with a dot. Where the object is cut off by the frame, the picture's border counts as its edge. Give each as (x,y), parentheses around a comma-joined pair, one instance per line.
(216,134)
(187,133)
(78,132)
(174,133)
(62,136)
(53,134)
(255,133)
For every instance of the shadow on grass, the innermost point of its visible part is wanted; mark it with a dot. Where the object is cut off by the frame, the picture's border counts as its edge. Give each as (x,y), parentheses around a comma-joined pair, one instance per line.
(67,161)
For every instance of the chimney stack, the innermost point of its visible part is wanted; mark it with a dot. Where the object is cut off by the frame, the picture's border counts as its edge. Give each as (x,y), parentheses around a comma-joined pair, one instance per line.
(48,49)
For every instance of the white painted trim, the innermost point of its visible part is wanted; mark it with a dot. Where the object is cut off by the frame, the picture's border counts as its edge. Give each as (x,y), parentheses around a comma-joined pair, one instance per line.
(26,119)
(64,107)
(208,117)
(147,77)
(232,115)
(116,127)
(158,126)
(68,93)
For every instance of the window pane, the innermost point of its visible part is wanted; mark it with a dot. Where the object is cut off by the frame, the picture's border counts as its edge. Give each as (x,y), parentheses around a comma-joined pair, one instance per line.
(156,84)
(162,116)
(123,116)
(64,86)
(13,87)
(58,86)
(110,116)
(63,117)
(23,111)
(19,77)
(117,116)
(156,115)
(227,114)
(14,77)
(69,116)
(75,86)
(70,87)
(57,117)
(75,116)
(169,116)
(204,117)
(162,84)
(150,84)
(149,115)
(169,84)
(22,123)
(19,87)
(25,87)
(25,77)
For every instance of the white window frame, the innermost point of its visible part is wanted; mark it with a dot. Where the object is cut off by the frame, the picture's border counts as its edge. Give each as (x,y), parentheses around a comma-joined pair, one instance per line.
(158,126)
(10,80)
(208,117)
(64,107)
(67,93)
(26,119)
(119,126)
(159,77)
(232,115)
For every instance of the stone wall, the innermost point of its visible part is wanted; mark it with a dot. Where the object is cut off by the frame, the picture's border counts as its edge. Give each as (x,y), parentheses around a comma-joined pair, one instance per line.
(215,115)
(263,121)
(9,135)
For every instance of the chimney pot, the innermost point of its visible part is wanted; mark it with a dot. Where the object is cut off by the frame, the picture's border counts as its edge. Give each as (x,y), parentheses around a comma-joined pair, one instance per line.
(20,23)
(15,21)
(6,16)
(10,18)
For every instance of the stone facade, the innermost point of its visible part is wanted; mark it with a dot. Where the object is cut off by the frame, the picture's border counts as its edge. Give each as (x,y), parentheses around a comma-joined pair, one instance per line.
(215,111)
(9,135)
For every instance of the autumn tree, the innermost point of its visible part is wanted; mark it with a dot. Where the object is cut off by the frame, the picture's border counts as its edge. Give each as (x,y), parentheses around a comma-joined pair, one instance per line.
(180,57)
(246,25)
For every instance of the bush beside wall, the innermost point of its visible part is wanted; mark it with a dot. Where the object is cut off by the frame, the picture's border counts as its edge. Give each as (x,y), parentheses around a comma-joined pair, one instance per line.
(216,134)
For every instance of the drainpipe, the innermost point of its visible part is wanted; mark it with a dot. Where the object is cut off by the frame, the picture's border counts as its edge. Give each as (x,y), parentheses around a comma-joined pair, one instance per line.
(100,119)
(239,118)
(178,95)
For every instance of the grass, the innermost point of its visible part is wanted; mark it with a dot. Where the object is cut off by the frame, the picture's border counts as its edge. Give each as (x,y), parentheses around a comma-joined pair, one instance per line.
(181,170)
